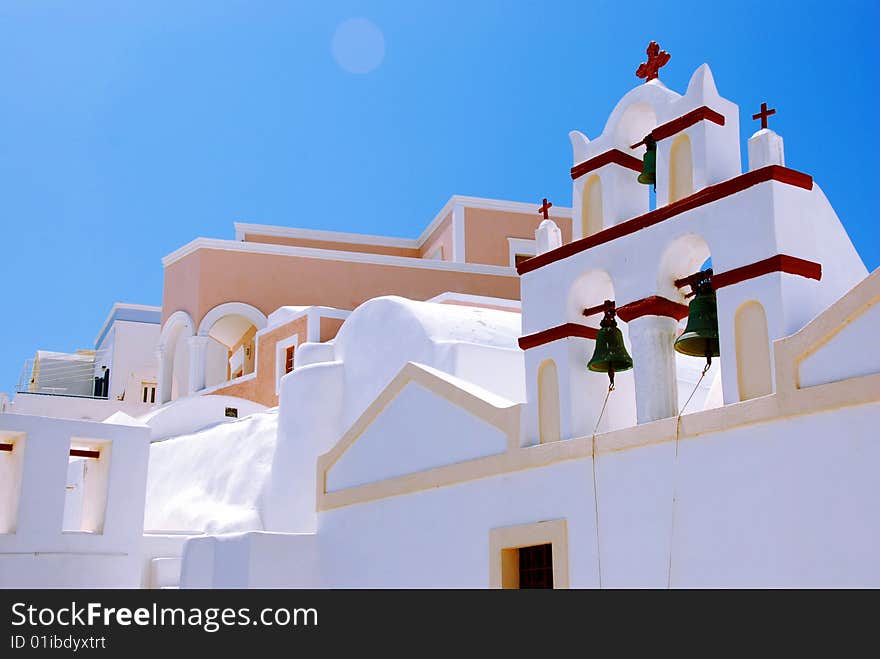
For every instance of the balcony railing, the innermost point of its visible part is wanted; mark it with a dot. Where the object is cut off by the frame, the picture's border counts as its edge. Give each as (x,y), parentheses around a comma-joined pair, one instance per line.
(61,374)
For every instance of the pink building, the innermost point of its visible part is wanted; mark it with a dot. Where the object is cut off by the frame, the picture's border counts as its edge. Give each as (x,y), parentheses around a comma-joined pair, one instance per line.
(234,311)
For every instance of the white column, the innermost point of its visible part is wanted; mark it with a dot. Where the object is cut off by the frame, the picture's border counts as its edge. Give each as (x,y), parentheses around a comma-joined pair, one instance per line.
(652,338)
(198,349)
(163,386)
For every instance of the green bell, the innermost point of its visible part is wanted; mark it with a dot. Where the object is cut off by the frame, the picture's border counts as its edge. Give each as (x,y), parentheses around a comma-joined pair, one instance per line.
(649,162)
(700,336)
(610,355)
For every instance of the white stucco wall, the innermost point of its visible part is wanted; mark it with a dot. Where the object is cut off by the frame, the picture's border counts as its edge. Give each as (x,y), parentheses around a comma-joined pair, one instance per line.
(416,431)
(35,551)
(789,503)
(849,353)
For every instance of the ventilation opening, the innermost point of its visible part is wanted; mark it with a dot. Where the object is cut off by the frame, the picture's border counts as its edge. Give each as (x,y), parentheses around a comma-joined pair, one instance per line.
(85,490)
(11,452)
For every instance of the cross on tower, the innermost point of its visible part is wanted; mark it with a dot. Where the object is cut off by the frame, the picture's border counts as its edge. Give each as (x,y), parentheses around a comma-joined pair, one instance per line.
(656,58)
(763,114)
(545,208)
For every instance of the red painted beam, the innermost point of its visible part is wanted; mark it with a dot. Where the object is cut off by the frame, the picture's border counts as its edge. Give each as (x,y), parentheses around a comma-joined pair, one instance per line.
(5,447)
(615,156)
(652,306)
(555,333)
(83,453)
(779,263)
(701,198)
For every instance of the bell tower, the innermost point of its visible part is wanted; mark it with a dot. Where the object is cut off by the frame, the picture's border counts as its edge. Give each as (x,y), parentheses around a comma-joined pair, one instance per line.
(779,256)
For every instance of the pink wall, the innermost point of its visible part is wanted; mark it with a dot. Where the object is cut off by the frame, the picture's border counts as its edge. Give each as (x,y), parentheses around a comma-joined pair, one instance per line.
(205,278)
(486,233)
(440,237)
(332,244)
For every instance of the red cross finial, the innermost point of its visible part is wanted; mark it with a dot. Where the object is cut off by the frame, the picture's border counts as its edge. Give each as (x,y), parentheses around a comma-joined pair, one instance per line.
(545,207)
(763,114)
(656,58)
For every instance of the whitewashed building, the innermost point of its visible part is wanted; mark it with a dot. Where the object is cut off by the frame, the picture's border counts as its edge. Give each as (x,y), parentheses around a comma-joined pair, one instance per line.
(460,440)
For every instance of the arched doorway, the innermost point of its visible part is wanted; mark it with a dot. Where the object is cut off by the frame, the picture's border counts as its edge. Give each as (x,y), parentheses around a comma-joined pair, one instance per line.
(228,343)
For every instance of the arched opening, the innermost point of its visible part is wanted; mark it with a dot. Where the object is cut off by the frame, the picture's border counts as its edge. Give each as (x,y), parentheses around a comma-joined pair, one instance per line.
(590,289)
(230,351)
(685,256)
(635,123)
(548,402)
(753,374)
(591,206)
(582,390)
(681,168)
(173,378)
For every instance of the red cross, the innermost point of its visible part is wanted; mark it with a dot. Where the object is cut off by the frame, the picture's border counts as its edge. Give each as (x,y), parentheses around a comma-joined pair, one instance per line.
(763,114)
(656,58)
(546,206)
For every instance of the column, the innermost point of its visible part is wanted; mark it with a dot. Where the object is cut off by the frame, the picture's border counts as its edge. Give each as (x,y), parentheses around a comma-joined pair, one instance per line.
(198,349)
(652,339)
(163,380)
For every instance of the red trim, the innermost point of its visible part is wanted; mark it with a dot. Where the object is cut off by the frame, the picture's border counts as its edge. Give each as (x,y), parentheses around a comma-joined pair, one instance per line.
(700,198)
(82,453)
(614,156)
(652,306)
(5,447)
(565,331)
(779,263)
(670,128)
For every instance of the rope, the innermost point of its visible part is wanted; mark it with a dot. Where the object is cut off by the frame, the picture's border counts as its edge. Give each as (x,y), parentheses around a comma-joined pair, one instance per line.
(596,484)
(674,467)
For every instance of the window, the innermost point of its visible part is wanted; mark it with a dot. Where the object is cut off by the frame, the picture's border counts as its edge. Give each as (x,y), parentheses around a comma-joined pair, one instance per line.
(288,359)
(88,472)
(519,258)
(529,555)
(536,566)
(148,392)
(231,412)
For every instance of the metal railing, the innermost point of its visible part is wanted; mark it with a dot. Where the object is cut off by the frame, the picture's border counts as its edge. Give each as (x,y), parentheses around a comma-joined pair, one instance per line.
(60,374)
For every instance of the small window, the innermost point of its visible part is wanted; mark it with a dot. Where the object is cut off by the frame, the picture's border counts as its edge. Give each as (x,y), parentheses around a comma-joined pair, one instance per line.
(536,566)
(232,412)
(529,555)
(148,392)
(288,359)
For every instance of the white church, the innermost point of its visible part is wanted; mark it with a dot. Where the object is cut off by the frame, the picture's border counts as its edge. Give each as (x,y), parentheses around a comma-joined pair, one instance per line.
(654,388)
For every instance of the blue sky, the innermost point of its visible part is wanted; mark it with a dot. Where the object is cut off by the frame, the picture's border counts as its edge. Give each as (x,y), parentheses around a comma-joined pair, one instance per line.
(129,128)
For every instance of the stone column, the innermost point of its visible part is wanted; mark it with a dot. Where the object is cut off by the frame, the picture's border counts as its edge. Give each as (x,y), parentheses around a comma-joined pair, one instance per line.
(652,338)
(198,349)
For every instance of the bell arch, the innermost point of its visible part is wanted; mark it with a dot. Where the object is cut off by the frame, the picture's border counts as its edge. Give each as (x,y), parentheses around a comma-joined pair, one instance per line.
(591,288)
(687,254)
(681,168)
(548,402)
(591,206)
(752,339)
